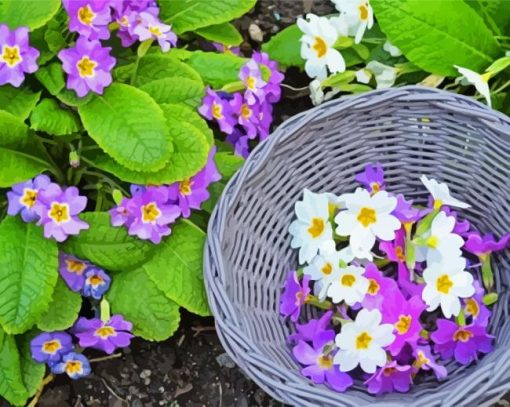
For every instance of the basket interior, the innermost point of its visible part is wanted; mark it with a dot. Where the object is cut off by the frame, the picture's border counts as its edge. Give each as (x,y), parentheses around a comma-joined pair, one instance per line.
(324,154)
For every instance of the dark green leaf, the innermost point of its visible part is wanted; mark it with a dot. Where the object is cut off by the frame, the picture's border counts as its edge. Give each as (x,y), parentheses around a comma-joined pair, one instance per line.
(18,101)
(63,311)
(224,33)
(285,47)
(50,118)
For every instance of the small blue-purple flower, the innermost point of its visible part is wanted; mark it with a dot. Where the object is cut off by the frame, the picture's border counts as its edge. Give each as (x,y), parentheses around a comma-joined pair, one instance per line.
(23,198)
(72,270)
(239,140)
(97,282)
(372,178)
(50,346)
(105,336)
(89,18)
(251,77)
(75,365)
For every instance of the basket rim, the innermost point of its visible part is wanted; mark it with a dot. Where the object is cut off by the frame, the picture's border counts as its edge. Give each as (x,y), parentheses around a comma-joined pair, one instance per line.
(226,332)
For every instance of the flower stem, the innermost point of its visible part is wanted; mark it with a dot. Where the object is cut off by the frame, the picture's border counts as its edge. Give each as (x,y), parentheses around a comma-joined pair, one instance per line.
(48,379)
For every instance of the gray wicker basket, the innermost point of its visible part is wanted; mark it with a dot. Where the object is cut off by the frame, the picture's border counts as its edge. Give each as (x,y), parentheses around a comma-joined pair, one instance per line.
(411,131)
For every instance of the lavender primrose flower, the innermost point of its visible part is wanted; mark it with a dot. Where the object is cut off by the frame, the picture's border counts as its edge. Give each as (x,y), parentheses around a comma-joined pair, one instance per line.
(219,109)
(121,214)
(294,295)
(306,332)
(72,270)
(88,65)
(265,119)
(152,214)
(17,57)
(89,18)
(273,86)
(426,361)
(462,342)
(50,346)
(247,116)
(97,282)
(127,14)
(105,336)
(406,213)
(389,378)
(379,287)
(149,27)
(23,198)
(192,192)
(483,246)
(318,361)
(59,209)
(475,308)
(75,365)
(226,49)
(372,178)
(251,76)
(240,142)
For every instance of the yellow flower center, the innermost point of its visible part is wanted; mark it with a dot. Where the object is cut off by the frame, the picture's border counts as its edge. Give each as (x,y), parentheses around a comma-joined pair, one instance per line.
(320,46)
(250,82)
(363,341)
(375,187)
(472,307)
(367,217)
(185,187)
(437,204)
(217,111)
(421,360)
(432,242)
(485,77)
(73,367)
(59,212)
(86,15)
(105,332)
(77,267)
(403,324)
(462,335)
(388,371)
(51,346)
(150,212)
(154,30)
(86,67)
(317,227)
(29,197)
(373,286)
(363,11)
(443,284)
(327,269)
(11,55)
(348,280)
(325,362)
(246,112)
(124,21)
(95,280)
(399,252)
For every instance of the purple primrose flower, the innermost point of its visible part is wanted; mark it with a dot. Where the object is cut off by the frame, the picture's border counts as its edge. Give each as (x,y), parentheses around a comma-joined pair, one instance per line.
(23,198)
(389,378)
(482,246)
(105,336)
(219,109)
(426,361)
(50,346)
(149,27)
(306,332)
(273,87)
(72,270)
(475,308)
(247,115)
(251,76)
(379,287)
(75,365)
(240,142)
(372,178)
(294,296)
(97,282)
(89,18)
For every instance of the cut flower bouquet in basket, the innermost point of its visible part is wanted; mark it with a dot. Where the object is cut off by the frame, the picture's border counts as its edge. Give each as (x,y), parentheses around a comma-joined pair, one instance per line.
(402,289)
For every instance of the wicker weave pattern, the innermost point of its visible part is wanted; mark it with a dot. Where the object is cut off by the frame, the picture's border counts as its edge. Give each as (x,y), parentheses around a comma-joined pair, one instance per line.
(411,131)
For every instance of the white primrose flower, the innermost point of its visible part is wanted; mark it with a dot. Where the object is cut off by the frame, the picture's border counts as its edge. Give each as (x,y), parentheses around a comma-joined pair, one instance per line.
(311,230)
(441,194)
(361,342)
(391,49)
(317,47)
(363,75)
(367,217)
(358,15)
(445,282)
(325,268)
(481,82)
(348,285)
(385,75)
(440,242)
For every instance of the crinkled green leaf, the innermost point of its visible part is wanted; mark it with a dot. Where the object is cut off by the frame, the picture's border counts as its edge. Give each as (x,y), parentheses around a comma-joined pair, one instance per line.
(188,15)
(52,77)
(69,98)
(28,274)
(129,126)
(139,300)
(32,372)
(63,311)
(436,34)
(50,118)
(158,66)
(175,90)
(106,246)
(177,267)
(224,33)
(285,47)
(182,113)
(216,69)
(32,14)
(495,13)
(18,101)
(11,381)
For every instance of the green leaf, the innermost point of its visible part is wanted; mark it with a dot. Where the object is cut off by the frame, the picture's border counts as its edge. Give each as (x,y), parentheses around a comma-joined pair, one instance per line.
(338,79)
(63,310)
(159,66)
(19,163)
(52,77)
(28,274)
(495,14)
(11,381)
(224,33)
(32,372)
(139,300)
(216,69)
(499,65)
(69,98)
(285,47)
(32,14)
(175,90)
(50,118)
(435,35)
(129,126)
(18,101)
(183,113)
(188,15)
(106,246)
(177,267)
